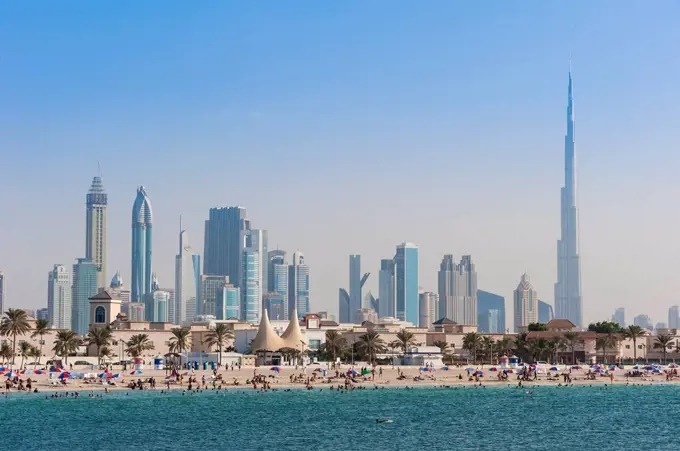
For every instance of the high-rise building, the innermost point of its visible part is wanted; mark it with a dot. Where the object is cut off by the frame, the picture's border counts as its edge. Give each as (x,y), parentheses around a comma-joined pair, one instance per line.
(95,229)
(619,316)
(354,283)
(224,242)
(275,305)
(365,314)
(196,260)
(298,285)
(255,242)
(278,274)
(428,308)
(526,303)
(142,222)
(3,282)
(674,317)
(343,306)
(252,298)
(86,278)
(545,312)
(660,325)
(185,283)
(118,291)
(643,321)
(370,302)
(387,303)
(210,287)
(489,301)
(407,282)
(275,257)
(59,297)
(458,290)
(488,322)
(228,304)
(43,313)
(161,300)
(568,301)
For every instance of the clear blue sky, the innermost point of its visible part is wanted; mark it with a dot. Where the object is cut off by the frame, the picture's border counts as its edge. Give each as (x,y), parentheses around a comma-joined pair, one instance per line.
(348,127)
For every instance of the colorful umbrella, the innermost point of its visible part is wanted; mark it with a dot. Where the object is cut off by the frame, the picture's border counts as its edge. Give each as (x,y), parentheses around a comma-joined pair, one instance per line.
(64,376)
(554,368)
(445,368)
(12,374)
(275,368)
(509,371)
(493,368)
(136,372)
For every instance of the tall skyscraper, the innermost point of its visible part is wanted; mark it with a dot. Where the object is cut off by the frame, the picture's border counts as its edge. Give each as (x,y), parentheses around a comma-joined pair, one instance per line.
(196,259)
(298,285)
(428,308)
(59,297)
(224,242)
(488,321)
(278,274)
(2,292)
(354,283)
(95,229)
(489,301)
(86,276)
(619,316)
(43,313)
(526,303)
(643,321)
(674,317)
(252,297)
(275,306)
(275,257)
(228,304)
(118,291)
(458,290)
(142,221)
(161,300)
(387,288)
(185,282)
(568,302)
(255,240)
(407,282)
(343,306)
(545,312)
(210,287)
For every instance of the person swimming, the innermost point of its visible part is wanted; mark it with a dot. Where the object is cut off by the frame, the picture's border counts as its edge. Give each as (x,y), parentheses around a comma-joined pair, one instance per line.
(383,420)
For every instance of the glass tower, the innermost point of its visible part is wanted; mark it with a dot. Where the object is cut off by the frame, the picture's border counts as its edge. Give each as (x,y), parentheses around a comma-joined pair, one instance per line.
(407,281)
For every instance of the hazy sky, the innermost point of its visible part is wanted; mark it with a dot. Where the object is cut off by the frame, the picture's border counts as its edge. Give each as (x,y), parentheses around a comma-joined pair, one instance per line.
(349,127)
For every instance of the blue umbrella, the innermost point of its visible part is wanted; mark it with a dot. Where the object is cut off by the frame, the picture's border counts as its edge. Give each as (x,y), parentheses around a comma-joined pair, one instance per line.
(554,368)
(445,368)
(469,369)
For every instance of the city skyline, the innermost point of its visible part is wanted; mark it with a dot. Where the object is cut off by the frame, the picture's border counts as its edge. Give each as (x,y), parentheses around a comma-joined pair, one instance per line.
(488,116)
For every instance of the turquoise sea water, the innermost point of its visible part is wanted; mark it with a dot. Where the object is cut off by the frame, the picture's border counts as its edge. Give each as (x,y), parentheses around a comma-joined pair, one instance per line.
(428,418)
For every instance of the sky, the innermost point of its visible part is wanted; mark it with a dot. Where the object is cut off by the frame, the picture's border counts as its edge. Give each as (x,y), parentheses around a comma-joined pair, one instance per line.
(349,127)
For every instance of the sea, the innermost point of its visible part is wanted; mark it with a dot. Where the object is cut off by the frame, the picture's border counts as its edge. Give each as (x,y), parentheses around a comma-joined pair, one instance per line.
(470,418)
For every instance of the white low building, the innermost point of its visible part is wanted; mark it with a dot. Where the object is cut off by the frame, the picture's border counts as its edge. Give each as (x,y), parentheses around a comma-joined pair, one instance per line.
(424,355)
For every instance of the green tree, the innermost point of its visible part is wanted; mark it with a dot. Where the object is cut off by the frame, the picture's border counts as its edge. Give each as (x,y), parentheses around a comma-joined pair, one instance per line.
(487,345)
(66,343)
(24,348)
(406,340)
(538,348)
(442,345)
(537,327)
(14,322)
(602,343)
(633,333)
(662,341)
(181,340)
(138,344)
(572,339)
(371,344)
(100,337)
(334,345)
(504,346)
(41,328)
(471,343)
(218,337)
(605,327)
(35,353)
(6,352)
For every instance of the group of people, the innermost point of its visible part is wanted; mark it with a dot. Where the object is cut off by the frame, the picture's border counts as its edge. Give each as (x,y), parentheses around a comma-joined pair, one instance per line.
(20,384)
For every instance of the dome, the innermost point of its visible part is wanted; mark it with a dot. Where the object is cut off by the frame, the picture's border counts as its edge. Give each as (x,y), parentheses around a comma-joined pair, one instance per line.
(117,281)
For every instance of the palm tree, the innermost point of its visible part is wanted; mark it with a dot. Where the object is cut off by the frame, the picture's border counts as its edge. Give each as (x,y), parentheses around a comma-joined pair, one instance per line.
(371,344)
(335,344)
(633,333)
(663,340)
(406,339)
(538,348)
(6,352)
(137,344)
(24,348)
(613,339)
(181,340)
(504,346)
(41,328)
(66,343)
(471,342)
(442,345)
(487,346)
(218,336)
(35,353)
(602,343)
(15,322)
(99,337)
(105,352)
(572,339)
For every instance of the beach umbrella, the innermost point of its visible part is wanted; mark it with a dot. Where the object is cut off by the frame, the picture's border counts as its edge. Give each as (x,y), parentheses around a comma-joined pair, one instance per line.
(673,365)
(648,368)
(116,376)
(509,371)
(480,373)
(275,368)
(424,369)
(39,372)
(11,374)
(493,368)
(445,368)
(64,376)
(366,371)
(576,367)
(469,369)
(554,368)
(318,370)
(28,372)
(102,375)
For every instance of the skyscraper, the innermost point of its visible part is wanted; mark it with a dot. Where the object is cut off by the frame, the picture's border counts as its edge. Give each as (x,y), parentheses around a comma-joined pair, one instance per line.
(2,292)
(224,243)
(643,321)
(252,297)
(445,282)
(228,303)
(568,302)
(255,240)
(458,290)
(343,306)
(86,276)
(159,313)
(619,316)
(526,303)
(185,282)
(278,276)
(428,308)
(59,297)
(387,289)
(674,317)
(407,282)
(354,283)
(142,220)
(275,257)
(275,306)
(210,287)
(485,303)
(196,259)
(298,285)
(545,312)
(95,230)
(488,321)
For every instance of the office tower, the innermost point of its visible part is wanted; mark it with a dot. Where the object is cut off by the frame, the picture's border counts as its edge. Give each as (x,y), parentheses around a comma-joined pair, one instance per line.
(526,303)
(118,291)
(489,301)
(343,306)
(458,290)
(142,221)
(370,302)
(275,257)
(137,310)
(488,321)
(185,283)
(59,297)
(428,308)
(619,316)
(298,285)
(196,260)
(161,300)
(3,283)
(568,301)
(643,321)
(210,286)
(252,299)
(387,289)
(674,317)
(275,305)
(228,303)
(224,243)
(445,283)
(255,242)
(545,312)
(95,229)
(660,325)
(43,313)
(278,273)
(407,282)
(86,278)
(354,283)
(365,315)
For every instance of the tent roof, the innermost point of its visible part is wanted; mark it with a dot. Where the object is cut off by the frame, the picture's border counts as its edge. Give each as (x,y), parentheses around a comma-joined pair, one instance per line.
(266,339)
(293,334)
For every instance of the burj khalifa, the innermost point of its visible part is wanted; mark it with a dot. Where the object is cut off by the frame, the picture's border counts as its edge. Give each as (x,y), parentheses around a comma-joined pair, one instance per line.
(568,301)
